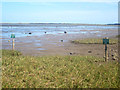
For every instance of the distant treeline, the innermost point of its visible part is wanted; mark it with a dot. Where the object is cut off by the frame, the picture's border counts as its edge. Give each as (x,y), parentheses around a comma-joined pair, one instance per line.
(114,24)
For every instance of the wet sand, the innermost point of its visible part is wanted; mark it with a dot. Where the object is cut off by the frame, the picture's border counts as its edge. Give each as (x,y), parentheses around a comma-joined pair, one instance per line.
(49,44)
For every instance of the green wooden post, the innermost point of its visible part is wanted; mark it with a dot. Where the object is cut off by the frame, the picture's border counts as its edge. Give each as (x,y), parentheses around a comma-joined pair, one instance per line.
(106,53)
(13,44)
(105,42)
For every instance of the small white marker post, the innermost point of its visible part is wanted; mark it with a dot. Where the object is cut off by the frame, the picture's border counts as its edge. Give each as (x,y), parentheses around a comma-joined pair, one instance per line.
(106,41)
(13,44)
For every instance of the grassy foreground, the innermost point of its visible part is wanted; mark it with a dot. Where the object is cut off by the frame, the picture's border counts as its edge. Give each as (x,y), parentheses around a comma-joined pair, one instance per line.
(94,41)
(57,71)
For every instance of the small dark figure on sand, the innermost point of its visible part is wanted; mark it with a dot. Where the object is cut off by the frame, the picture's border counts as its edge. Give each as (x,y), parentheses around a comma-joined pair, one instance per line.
(61,40)
(65,32)
(30,33)
(45,32)
(89,51)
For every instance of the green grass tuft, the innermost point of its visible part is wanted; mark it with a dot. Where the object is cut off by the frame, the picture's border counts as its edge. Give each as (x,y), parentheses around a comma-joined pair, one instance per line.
(118,36)
(94,41)
(11,53)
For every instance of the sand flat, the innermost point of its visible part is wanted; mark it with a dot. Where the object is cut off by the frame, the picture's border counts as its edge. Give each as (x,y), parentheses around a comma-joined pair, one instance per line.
(49,44)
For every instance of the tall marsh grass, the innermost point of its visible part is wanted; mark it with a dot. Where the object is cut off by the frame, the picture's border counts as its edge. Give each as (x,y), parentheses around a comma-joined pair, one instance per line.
(57,71)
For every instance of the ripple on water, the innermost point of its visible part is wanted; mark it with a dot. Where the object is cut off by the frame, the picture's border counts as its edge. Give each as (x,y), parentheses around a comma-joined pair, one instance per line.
(41,49)
(26,41)
(38,44)
(95,32)
(99,35)
(83,32)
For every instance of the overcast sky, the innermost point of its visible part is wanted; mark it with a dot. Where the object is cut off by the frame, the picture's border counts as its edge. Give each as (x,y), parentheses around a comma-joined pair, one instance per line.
(87,11)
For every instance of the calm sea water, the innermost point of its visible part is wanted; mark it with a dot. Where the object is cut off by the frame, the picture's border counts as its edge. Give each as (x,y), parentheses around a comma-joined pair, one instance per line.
(39,30)
(22,31)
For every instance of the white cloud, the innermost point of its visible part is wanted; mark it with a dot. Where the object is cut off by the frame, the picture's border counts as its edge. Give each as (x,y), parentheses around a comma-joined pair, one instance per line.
(60,0)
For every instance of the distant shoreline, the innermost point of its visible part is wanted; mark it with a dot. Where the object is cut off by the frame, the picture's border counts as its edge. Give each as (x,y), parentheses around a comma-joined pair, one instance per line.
(54,24)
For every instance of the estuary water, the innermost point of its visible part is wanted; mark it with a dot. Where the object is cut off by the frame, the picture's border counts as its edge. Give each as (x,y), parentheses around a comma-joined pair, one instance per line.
(22,31)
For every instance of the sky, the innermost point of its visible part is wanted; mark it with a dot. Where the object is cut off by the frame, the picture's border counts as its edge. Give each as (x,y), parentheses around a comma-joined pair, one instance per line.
(60,12)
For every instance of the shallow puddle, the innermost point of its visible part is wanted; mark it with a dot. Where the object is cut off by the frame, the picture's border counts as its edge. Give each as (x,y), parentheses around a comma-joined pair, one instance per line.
(41,49)
(37,44)
(83,32)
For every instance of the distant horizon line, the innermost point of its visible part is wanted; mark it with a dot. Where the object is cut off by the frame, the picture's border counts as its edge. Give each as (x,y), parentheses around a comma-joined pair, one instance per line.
(53,23)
